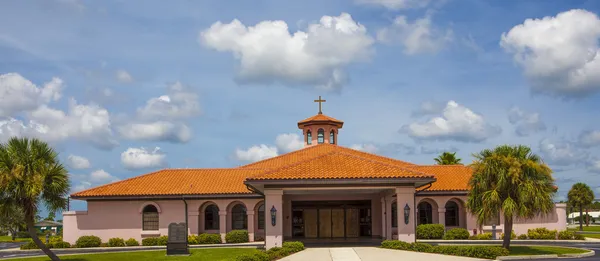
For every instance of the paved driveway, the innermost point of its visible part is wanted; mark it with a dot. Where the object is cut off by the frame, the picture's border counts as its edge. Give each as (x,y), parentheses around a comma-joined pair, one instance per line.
(368,254)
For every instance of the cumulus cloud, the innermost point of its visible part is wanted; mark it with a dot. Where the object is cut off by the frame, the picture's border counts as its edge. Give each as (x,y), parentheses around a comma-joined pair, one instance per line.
(562,152)
(370,148)
(456,123)
(526,123)
(90,123)
(95,178)
(428,108)
(289,142)
(18,94)
(268,53)
(284,143)
(419,36)
(123,76)
(141,158)
(396,4)
(178,103)
(156,131)
(101,176)
(589,138)
(559,55)
(78,162)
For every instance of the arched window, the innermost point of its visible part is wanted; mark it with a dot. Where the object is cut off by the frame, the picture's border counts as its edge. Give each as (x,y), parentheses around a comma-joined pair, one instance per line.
(150,218)
(394,214)
(320,136)
(239,220)
(308,137)
(211,217)
(425,213)
(261,217)
(451,214)
(332,137)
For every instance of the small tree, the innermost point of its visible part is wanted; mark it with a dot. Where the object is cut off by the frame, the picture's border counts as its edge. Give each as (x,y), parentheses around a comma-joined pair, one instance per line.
(11,219)
(510,180)
(447,158)
(580,195)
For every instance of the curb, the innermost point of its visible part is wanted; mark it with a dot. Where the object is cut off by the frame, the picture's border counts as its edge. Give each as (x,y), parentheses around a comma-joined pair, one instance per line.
(587,254)
(138,248)
(529,241)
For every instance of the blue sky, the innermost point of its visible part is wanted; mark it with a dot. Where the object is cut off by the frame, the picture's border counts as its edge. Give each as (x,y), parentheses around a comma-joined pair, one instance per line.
(122,88)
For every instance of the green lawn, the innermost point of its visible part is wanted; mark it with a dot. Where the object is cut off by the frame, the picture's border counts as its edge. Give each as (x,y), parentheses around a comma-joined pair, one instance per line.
(544,250)
(216,254)
(9,239)
(590,228)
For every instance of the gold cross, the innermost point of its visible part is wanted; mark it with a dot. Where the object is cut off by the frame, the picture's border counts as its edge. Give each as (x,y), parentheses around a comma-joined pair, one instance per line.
(320,101)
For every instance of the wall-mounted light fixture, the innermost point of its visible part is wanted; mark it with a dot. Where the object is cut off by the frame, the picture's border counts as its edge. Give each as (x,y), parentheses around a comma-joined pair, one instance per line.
(273,215)
(406,213)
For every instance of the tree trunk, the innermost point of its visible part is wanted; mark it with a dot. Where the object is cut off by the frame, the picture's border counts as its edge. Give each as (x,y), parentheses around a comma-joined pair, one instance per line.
(508,225)
(39,242)
(587,217)
(13,234)
(580,218)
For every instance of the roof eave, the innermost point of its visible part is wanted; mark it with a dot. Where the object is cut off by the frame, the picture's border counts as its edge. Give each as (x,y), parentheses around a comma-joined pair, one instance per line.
(168,197)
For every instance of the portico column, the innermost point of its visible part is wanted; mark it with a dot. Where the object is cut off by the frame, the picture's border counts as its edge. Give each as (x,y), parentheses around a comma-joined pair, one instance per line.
(405,196)
(250,214)
(388,218)
(273,232)
(383,228)
(223,224)
(442,216)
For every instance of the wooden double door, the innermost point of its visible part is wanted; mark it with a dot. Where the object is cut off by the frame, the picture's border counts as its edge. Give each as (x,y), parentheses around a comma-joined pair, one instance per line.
(331,222)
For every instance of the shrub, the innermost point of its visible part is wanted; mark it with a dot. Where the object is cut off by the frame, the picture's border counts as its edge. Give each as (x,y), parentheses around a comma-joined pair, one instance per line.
(566,235)
(255,256)
(150,241)
(162,241)
(487,252)
(55,239)
(294,246)
(30,245)
(421,247)
(116,242)
(512,235)
(278,252)
(61,244)
(430,231)
(192,240)
(132,242)
(395,244)
(103,244)
(206,238)
(579,237)
(457,233)
(88,241)
(237,236)
(522,236)
(23,234)
(541,233)
(482,236)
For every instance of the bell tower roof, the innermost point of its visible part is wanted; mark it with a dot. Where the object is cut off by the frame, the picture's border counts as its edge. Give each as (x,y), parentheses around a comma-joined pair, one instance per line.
(320,119)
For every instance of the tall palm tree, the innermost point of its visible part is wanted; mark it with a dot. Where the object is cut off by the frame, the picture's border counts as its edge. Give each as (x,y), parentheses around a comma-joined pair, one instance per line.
(447,158)
(580,195)
(510,180)
(30,176)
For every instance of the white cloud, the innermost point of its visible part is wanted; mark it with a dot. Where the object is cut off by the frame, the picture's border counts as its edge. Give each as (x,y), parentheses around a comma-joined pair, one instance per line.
(256,153)
(268,53)
(428,108)
(178,103)
(89,123)
(396,4)
(82,185)
(18,94)
(594,166)
(101,176)
(456,123)
(370,148)
(419,36)
(526,123)
(289,142)
(123,76)
(562,153)
(141,158)
(560,55)
(156,131)
(78,162)
(589,138)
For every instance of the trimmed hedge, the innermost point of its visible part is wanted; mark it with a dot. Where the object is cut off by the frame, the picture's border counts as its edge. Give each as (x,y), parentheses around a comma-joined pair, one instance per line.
(256,256)
(488,252)
(522,236)
(482,236)
(237,236)
(541,233)
(61,244)
(88,241)
(31,245)
(116,242)
(294,246)
(430,231)
(512,235)
(132,242)
(192,240)
(162,241)
(457,233)
(150,241)
(579,237)
(566,235)
(206,238)
(274,253)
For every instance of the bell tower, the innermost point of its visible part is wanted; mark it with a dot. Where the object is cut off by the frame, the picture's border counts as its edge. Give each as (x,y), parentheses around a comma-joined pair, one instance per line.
(320,128)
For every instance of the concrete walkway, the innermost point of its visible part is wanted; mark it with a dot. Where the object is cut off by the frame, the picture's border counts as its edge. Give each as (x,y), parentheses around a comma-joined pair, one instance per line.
(368,254)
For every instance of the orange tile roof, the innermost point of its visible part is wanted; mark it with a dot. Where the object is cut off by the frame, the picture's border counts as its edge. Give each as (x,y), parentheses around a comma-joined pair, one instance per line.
(449,177)
(320,118)
(177,182)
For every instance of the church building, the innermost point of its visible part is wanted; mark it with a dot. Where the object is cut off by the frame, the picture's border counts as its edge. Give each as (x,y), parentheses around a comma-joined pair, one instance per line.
(321,192)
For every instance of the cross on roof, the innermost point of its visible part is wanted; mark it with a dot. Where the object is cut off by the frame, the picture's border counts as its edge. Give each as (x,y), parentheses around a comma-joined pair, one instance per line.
(320,101)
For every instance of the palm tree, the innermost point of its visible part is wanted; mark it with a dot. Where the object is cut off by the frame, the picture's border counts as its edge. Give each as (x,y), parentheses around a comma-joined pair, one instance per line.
(580,195)
(447,158)
(31,175)
(510,180)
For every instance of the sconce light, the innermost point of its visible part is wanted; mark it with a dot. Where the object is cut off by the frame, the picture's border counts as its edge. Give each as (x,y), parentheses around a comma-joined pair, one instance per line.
(273,215)
(406,214)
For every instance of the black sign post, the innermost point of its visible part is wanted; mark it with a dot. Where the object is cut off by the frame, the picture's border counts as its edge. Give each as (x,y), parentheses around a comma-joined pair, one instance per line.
(177,244)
